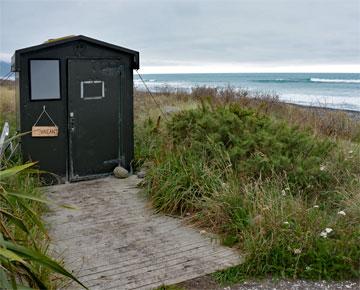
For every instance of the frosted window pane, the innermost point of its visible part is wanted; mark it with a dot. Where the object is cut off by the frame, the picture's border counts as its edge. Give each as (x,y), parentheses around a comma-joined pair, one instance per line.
(45,79)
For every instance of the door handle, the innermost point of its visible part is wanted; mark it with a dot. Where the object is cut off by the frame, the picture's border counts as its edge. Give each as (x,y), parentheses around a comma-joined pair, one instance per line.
(72,122)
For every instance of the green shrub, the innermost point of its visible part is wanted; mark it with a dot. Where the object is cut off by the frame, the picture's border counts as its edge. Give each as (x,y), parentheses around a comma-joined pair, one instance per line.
(257,146)
(267,188)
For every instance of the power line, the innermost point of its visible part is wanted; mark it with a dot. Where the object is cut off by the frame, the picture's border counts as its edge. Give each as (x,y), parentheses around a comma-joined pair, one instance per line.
(5,77)
(6,74)
(147,88)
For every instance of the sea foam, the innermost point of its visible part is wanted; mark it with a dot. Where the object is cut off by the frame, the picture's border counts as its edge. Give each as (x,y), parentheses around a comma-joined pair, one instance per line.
(347,81)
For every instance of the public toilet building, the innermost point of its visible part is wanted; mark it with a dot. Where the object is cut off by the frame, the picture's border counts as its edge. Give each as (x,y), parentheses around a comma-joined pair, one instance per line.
(75,97)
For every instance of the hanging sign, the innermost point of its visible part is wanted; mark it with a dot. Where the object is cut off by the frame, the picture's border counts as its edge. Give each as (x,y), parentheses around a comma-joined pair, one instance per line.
(44,131)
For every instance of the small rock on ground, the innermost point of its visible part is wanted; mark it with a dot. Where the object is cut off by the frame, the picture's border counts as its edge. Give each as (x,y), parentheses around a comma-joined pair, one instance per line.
(120,172)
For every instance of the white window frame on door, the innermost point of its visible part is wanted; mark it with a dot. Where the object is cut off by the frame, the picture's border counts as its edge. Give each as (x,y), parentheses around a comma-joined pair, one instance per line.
(92,82)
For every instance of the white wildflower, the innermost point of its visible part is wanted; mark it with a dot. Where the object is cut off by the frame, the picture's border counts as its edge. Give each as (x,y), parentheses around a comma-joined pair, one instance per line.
(328,230)
(342,213)
(351,152)
(285,223)
(322,167)
(297,251)
(325,232)
(316,206)
(283,192)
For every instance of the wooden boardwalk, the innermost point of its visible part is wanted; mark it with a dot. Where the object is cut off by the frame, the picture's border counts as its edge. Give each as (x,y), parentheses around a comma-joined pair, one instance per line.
(114,241)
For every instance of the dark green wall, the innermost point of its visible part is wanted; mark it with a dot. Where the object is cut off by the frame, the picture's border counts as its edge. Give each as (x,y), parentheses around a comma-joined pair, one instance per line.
(52,152)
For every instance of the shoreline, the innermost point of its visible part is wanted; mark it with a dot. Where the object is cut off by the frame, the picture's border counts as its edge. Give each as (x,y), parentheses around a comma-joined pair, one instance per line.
(354,115)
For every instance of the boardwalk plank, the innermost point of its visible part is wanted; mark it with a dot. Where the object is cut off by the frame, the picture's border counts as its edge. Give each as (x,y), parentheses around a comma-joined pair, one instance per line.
(115,241)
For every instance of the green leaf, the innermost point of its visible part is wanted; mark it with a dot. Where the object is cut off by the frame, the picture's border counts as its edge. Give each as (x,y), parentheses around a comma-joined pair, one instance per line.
(39,258)
(31,272)
(14,170)
(15,220)
(7,141)
(22,287)
(11,255)
(26,196)
(68,206)
(4,282)
(32,215)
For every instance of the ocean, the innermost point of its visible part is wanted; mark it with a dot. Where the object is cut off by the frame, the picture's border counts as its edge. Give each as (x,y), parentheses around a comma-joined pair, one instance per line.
(332,90)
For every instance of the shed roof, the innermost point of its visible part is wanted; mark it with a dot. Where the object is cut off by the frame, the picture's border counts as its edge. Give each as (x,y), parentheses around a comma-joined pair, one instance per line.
(63,40)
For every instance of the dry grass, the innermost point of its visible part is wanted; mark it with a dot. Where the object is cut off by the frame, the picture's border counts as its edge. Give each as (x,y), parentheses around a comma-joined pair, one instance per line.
(7,102)
(145,106)
(322,121)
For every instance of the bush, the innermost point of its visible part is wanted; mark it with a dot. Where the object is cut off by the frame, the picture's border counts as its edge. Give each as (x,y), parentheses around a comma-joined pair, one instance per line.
(256,145)
(268,188)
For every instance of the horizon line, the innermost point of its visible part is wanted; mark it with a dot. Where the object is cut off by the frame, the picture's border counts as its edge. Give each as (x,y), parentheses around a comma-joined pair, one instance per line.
(250,68)
(252,72)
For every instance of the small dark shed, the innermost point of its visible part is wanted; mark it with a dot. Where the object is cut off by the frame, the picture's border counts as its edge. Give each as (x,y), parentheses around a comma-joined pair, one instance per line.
(76,96)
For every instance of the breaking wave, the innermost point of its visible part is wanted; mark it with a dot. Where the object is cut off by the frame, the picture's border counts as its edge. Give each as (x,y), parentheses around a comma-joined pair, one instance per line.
(346,81)
(280,80)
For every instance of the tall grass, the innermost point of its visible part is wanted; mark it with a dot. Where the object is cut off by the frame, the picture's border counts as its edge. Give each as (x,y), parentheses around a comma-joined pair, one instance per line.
(287,197)
(25,261)
(24,242)
(7,104)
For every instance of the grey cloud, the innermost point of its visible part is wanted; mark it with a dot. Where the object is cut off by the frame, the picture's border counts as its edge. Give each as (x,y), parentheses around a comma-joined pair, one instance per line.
(170,32)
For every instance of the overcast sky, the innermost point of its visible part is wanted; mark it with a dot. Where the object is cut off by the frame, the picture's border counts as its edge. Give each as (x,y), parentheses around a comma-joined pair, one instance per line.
(199,36)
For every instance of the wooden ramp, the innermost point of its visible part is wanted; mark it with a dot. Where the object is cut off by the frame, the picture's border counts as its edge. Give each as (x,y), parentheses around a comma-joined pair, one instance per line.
(114,241)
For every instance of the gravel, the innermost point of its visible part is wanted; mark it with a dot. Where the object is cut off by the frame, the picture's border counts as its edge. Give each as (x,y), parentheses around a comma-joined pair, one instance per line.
(295,285)
(208,283)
